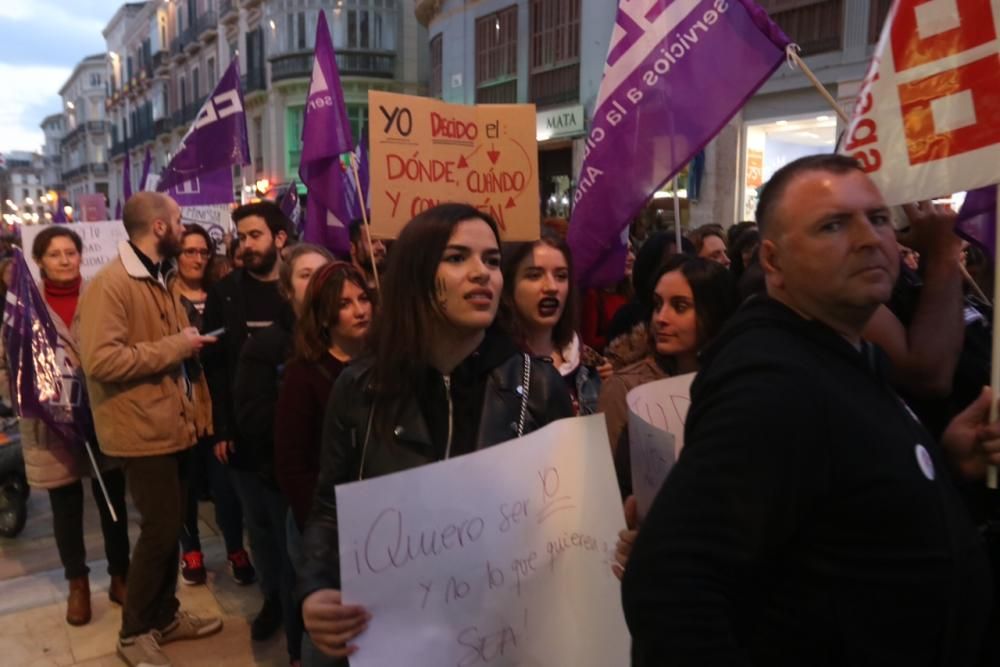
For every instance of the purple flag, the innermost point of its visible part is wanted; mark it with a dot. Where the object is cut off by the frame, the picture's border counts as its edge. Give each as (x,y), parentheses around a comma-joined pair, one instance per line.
(44,383)
(118,210)
(126,180)
(326,135)
(977,219)
(59,215)
(289,203)
(214,187)
(147,162)
(360,157)
(676,73)
(217,138)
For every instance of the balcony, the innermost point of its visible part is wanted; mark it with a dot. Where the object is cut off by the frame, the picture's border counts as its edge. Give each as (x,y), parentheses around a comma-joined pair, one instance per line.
(381,64)
(161,62)
(253,80)
(190,39)
(558,85)
(90,127)
(249,4)
(497,92)
(93,168)
(117,148)
(163,125)
(208,27)
(229,11)
(816,27)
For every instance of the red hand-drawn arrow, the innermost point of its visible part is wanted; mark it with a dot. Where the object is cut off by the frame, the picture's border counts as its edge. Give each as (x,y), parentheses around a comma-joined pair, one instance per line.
(510,203)
(463,160)
(494,154)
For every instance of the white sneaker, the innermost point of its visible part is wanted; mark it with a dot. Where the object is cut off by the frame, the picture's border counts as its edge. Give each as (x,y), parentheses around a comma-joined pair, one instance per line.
(143,651)
(188,626)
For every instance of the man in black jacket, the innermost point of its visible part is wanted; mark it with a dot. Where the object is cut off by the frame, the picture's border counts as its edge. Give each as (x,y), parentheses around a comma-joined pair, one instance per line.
(811,518)
(245,303)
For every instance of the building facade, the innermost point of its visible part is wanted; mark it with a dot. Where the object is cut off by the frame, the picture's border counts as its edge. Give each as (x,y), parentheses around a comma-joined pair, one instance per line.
(84,148)
(54,129)
(166,56)
(21,189)
(549,53)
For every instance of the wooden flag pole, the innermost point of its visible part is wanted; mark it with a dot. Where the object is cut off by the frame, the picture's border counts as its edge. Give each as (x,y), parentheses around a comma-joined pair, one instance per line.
(971,282)
(991,471)
(100,481)
(364,217)
(793,56)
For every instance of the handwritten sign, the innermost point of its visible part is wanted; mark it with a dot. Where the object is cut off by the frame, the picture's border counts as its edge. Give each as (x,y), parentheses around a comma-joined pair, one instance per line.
(92,208)
(501,557)
(425,152)
(100,244)
(657,412)
(215,219)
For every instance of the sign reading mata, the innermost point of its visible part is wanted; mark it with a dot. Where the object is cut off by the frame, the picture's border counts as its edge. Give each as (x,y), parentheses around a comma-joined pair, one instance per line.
(425,152)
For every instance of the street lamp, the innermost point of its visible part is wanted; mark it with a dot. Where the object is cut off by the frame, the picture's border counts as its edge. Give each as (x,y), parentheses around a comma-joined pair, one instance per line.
(12,205)
(68,210)
(263,185)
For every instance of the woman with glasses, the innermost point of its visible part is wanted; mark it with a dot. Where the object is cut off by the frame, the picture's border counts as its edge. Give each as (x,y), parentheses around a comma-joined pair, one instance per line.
(191,282)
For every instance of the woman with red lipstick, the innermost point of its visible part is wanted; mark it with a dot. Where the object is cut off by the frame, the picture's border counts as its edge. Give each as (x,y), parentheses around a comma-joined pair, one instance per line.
(439,381)
(692,298)
(540,312)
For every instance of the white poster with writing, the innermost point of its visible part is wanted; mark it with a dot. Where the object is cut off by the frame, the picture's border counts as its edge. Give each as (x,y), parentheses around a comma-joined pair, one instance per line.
(500,558)
(657,412)
(100,244)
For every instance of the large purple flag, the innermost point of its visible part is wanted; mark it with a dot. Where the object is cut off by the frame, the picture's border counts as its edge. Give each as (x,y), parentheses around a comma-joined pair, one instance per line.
(126,179)
(214,187)
(977,219)
(676,72)
(44,382)
(147,163)
(326,135)
(59,214)
(289,205)
(218,137)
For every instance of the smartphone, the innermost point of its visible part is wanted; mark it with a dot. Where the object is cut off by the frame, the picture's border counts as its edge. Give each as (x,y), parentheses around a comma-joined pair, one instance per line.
(217,332)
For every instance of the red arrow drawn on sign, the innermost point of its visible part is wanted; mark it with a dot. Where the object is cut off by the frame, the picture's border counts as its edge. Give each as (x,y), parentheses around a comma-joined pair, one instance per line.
(494,155)
(510,203)
(463,159)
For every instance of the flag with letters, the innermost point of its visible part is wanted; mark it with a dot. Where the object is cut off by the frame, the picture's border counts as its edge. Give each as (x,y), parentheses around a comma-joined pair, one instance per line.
(217,138)
(676,72)
(326,136)
(927,119)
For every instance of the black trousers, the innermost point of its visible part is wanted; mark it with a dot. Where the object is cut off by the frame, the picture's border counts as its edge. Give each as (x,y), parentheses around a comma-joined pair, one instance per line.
(67,520)
(159,493)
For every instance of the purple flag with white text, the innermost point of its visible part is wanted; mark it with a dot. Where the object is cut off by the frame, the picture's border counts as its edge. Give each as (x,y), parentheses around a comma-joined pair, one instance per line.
(214,187)
(147,163)
(676,72)
(289,204)
(326,135)
(977,219)
(44,382)
(217,138)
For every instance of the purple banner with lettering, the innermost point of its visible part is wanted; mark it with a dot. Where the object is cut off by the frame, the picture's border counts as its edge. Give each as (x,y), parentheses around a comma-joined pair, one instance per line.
(677,71)
(215,187)
(977,219)
(147,163)
(44,382)
(218,137)
(326,135)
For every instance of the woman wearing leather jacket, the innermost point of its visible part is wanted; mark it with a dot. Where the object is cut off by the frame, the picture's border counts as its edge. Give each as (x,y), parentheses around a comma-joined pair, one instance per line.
(438,381)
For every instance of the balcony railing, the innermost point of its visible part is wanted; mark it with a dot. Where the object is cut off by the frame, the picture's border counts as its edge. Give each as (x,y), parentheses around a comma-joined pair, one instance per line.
(380,64)
(163,125)
(161,60)
(117,148)
(253,80)
(502,92)
(93,168)
(229,11)
(555,86)
(89,127)
(190,37)
(816,27)
(208,26)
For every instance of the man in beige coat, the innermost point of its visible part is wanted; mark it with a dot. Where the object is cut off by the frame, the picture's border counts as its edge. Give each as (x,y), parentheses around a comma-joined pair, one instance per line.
(139,356)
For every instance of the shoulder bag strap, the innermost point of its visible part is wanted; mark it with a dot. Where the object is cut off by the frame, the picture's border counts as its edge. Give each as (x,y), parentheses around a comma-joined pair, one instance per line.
(525,390)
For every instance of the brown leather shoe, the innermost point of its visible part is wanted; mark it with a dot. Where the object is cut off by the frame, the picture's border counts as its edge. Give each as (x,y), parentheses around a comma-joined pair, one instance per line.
(117,590)
(78,605)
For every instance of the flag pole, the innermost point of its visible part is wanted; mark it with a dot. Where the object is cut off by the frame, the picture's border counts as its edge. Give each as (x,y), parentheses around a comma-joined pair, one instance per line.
(677,218)
(792,51)
(364,218)
(991,471)
(100,480)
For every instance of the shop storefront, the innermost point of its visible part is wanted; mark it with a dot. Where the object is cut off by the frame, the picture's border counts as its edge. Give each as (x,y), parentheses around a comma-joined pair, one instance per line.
(556,130)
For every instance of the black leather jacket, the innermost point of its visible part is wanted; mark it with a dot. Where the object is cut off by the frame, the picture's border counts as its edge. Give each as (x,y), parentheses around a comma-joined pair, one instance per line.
(409,444)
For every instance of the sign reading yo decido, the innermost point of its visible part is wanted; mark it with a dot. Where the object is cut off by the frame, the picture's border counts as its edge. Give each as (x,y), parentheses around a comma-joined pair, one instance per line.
(425,152)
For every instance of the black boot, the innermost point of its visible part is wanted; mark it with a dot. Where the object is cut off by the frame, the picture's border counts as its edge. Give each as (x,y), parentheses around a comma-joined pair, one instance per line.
(268,620)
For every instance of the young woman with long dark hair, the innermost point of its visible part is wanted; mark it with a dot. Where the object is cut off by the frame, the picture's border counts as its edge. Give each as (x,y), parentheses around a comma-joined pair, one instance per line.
(440,382)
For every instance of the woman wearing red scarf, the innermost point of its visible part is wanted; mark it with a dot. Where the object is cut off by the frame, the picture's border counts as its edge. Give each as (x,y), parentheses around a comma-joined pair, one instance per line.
(59,466)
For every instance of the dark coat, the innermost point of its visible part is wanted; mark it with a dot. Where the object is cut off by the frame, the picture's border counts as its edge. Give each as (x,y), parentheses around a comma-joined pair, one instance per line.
(810,519)
(412,440)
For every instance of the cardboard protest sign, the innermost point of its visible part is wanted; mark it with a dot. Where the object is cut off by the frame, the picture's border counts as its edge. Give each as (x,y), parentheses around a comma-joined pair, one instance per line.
(425,152)
(657,412)
(215,219)
(501,557)
(92,208)
(100,244)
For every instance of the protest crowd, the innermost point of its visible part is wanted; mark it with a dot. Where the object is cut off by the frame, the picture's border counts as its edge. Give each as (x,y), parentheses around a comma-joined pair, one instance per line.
(829,505)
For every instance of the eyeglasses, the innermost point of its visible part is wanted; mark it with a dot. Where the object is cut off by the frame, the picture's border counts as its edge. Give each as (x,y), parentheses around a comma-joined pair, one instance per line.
(196,252)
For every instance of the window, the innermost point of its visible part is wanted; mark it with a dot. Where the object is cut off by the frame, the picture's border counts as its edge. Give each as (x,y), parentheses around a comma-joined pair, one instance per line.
(436,66)
(163,32)
(128,69)
(95,80)
(211,74)
(293,139)
(195,84)
(815,25)
(496,57)
(298,35)
(358,115)
(368,24)
(555,51)
(182,89)
(258,145)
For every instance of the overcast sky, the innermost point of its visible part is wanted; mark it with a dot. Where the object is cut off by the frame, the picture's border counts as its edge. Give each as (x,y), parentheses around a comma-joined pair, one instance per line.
(40,43)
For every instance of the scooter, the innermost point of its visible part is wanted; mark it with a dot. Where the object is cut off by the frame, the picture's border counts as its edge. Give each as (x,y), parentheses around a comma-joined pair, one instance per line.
(14,489)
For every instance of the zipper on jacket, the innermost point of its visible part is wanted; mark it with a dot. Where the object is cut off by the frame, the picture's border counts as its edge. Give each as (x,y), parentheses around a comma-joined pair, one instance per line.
(451,415)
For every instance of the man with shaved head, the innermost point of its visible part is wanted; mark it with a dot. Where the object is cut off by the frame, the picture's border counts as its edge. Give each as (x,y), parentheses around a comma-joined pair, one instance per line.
(150,405)
(811,519)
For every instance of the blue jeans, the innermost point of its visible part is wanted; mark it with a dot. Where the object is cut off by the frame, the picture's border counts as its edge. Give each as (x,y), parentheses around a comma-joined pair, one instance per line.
(264,512)
(228,513)
(311,656)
